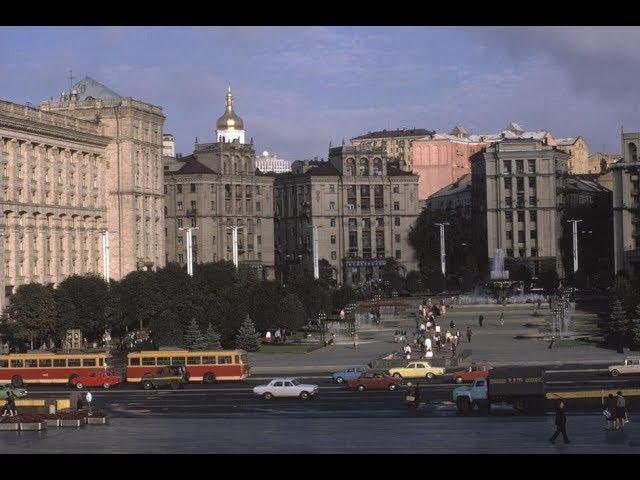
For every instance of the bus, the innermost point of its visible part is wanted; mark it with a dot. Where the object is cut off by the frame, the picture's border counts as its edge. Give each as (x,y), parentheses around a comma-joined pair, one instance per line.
(202,366)
(47,367)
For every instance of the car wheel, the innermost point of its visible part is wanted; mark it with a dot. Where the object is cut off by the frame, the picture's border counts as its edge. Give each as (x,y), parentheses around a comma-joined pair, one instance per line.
(16,381)
(209,378)
(397,375)
(304,395)
(106,385)
(615,373)
(339,380)
(361,388)
(430,375)
(79,385)
(267,396)
(459,380)
(392,386)
(147,385)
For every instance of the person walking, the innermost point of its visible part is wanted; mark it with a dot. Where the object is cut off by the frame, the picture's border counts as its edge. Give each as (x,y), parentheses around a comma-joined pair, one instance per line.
(610,411)
(480,320)
(501,319)
(88,398)
(469,333)
(621,412)
(11,403)
(355,340)
(561,424)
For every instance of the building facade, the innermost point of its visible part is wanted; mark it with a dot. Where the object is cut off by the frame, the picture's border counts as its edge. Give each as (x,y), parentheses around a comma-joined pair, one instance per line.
(271,163)
(168,145)
(362,207)
(454,199)
(626,206)
(395,143)
(518,199)
(134,181)
(216,188)
(578,151)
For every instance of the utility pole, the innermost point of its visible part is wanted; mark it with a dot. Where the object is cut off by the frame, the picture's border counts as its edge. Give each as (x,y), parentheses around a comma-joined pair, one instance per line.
(443,254)
(575,243)
(189,231)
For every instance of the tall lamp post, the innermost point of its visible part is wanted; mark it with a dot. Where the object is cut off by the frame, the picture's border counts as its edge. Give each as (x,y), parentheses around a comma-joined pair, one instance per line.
(575,243)
(443,254)
(189,231)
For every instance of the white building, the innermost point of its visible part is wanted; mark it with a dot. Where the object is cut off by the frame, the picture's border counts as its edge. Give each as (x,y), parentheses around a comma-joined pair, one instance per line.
(168,145)
(271,163)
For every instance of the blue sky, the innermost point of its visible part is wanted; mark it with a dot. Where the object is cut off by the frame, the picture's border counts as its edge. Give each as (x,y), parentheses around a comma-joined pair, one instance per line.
(297,88)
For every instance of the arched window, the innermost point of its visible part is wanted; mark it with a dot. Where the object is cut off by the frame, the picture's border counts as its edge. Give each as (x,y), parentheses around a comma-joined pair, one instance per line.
(364,167)
(377,166)
(225,167)
(351,166)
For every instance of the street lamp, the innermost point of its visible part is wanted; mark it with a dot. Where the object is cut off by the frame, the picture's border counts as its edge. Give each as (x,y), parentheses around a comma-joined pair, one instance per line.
(575,243)
(442,252)
(189,231)
(316,265)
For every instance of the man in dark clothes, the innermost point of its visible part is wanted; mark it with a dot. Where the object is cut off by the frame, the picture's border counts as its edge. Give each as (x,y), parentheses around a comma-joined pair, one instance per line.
(561,424)
(480,319)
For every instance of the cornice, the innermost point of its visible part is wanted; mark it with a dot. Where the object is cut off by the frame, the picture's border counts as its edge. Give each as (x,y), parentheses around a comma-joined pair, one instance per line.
(29,126)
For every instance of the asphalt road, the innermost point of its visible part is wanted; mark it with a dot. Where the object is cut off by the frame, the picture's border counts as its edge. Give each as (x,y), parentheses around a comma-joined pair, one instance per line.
(236,399)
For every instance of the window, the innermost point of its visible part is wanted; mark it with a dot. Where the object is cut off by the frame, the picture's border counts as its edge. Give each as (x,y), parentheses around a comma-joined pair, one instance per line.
(510,252)
(509,234)
(60,362)
(508,201)
(208,360)
(534,234)
(44,363)
(507,183)
(179,222)
(213,205)
(506,166)
(397,237)
(257,189)
(398,254)
(89,362)
(166,210)
(532,182)
(332,222)
(259,239)
(332,205)
(31,363)
(520,184)
(333,239)
(179,206)
(533,200)
(521,215)
(333,255)
(163,361)
(16,364)
(508,216)
(532,165)
(396,189)
(519,166)
(192,187)
(73,362)
(520,236)
(396,221)
(179,187)
(148,360)
(534,252)
(533,215)
(193,360)
(396,205)
(332,188)
(177,360)
(224,359)
(522,252)
(258,207)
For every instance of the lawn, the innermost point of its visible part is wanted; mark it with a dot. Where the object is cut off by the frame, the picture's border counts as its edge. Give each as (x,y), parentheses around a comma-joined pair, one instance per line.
(291,348)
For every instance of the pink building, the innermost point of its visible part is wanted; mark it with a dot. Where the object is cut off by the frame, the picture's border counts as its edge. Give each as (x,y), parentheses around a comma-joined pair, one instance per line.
(440,159)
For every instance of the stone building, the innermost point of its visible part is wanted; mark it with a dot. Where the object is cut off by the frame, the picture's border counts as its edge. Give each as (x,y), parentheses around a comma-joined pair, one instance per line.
(363,209)
(134,183)
(518,199)
(626,206)
(454,199)
(578,151)
(395,143)
(217,187)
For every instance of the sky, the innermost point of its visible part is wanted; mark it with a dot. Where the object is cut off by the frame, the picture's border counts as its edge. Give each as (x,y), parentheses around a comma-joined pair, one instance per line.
(299,88)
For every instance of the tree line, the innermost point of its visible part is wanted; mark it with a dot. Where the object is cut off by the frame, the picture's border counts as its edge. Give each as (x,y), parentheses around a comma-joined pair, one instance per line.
(623,326)
(218,304)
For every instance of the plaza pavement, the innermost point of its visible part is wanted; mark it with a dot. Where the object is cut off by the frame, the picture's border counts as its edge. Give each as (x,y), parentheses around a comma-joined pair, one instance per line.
(455,434)
(492,343)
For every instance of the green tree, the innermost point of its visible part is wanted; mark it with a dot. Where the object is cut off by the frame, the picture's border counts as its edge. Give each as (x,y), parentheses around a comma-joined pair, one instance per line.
(436,282)
(263,304)
(248,339)
(315,296)
(343,296)
(81,302)
(212,339)
(413,282)
(326,272)
(617,324)
(193,338)
(166,330)
(391,275)
(523,274)
(292,314)
(33,309)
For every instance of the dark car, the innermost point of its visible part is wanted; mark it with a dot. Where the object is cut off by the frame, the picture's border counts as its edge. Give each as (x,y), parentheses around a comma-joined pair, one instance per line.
(373,380)
(174,376)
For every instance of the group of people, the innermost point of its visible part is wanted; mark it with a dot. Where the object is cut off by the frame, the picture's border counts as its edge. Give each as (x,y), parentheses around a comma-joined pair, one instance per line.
(10,405)
(615,411)
(279,336)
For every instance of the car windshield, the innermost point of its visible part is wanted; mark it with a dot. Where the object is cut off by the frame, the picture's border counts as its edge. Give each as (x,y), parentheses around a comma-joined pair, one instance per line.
(295,382)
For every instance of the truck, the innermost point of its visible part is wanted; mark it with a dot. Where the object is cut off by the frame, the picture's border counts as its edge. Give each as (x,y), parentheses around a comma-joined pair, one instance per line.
(522,387)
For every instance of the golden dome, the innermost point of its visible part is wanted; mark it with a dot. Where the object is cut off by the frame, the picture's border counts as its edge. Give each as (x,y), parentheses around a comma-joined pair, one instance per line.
(229,120)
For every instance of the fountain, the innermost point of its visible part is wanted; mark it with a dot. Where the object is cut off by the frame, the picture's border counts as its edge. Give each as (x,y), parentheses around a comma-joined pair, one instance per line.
(497,270)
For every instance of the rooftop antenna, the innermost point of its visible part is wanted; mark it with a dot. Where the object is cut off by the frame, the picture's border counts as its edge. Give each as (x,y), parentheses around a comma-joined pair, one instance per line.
(71,78)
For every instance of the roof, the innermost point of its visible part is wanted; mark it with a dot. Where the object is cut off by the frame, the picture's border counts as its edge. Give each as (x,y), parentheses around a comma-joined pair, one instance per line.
(413,132)
(192,166)
(566,141)
(461,184)
(574,182)
(88,87)
(512,131)
(396,172)
(325,169)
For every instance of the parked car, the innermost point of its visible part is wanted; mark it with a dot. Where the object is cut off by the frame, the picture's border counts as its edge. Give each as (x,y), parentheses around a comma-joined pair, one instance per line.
(285,387)
(349,373)
(173,375)
(18,392)
(373,380)
(631,365)
(417,370)
(104,379)
(473,372)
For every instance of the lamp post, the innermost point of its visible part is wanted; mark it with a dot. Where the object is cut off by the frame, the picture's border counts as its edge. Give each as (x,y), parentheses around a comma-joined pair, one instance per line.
(234,243)
(442,251)
(316,264)
(575,243)
(189,231)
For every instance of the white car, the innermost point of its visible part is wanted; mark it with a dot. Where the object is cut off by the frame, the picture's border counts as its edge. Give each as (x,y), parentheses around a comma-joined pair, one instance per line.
(285,387)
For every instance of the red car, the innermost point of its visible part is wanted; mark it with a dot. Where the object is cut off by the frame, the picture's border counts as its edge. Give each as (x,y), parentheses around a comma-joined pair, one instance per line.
(105,379)
(475,371)
(374,381)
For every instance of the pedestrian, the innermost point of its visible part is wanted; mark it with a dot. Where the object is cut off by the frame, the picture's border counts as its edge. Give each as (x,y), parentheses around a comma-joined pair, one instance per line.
(355,340)
(501,318)
(447,336)
(277,336)
(11,403)
(268,336)
(469,333)
(561,425)
(452,324)
(88,397)
(480,319)
(621,411)
(79,403)
(429,353)
(610,411)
